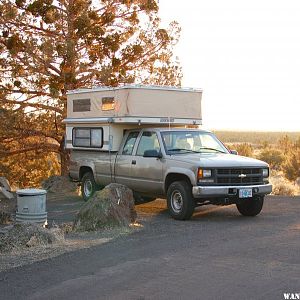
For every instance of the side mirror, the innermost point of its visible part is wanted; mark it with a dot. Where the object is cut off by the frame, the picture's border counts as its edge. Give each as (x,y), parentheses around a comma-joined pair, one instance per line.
(234,152)
(152,153)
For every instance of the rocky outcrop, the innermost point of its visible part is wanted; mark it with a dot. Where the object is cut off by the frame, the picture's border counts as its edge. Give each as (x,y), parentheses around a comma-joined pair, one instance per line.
(113,206)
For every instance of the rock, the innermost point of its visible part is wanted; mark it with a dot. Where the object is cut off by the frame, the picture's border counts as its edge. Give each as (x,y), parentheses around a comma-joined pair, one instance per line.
(5,189)
(6,194)
(5,184)
(32,242)
(113,206)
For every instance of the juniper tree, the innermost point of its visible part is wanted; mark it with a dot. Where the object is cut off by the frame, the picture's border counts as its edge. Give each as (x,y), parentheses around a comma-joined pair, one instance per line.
(48,47)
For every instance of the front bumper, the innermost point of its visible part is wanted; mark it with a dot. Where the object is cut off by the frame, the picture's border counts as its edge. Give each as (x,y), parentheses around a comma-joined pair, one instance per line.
(218,191)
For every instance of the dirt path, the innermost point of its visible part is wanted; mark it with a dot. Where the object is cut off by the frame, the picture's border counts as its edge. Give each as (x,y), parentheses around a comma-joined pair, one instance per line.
(218,254)
(62,209)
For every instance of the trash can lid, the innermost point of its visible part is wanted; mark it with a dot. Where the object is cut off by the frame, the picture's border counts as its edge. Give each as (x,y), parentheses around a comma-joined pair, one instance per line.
(31,192)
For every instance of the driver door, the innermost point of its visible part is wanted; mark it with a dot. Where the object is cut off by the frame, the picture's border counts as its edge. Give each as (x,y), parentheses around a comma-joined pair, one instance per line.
(147,172)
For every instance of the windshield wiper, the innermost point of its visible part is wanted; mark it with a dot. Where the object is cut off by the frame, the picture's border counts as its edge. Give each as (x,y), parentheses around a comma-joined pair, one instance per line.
(193,151)
(183,149)
(207,148)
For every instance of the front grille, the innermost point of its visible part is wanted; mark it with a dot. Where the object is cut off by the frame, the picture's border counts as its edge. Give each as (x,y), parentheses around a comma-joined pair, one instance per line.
(238,176)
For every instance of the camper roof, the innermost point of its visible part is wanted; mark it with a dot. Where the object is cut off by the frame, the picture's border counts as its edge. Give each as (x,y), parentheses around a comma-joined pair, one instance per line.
(133,86)
(135,104)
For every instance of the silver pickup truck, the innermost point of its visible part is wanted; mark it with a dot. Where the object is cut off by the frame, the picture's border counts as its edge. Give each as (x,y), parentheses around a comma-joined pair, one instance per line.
(188,167)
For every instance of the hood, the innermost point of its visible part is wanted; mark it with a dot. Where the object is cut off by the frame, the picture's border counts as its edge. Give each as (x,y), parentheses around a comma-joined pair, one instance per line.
(218,160)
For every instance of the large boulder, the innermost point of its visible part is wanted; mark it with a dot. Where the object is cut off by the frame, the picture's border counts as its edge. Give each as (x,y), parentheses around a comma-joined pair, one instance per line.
(113,206)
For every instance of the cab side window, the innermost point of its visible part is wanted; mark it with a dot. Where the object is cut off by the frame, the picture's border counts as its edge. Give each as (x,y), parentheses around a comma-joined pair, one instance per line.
(148,141)
(129,144)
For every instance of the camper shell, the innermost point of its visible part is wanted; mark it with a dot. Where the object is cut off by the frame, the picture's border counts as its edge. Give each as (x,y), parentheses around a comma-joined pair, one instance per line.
(104,113)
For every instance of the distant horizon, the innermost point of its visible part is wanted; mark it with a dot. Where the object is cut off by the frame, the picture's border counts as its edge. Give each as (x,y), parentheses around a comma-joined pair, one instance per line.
(245,130)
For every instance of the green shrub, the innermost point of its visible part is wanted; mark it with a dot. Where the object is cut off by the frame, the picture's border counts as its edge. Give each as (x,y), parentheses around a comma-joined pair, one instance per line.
(244,149)
(292,166)
(283,187)
(297,143)
(274,157)
(285,144)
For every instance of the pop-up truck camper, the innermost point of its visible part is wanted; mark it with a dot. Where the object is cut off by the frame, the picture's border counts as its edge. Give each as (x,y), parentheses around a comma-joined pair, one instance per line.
(149,139)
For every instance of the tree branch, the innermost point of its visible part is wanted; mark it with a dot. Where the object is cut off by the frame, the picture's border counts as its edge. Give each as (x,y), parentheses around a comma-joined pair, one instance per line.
(49,148)
(36,105)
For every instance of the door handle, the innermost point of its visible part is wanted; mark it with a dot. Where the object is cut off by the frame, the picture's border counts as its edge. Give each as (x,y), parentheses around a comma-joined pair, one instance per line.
(133,162)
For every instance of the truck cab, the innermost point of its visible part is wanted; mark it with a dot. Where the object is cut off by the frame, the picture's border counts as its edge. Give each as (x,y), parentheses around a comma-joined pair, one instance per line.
(188,167)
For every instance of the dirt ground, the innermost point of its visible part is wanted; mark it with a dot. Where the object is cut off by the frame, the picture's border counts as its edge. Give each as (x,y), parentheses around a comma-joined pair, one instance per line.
(8,205)
(62,209)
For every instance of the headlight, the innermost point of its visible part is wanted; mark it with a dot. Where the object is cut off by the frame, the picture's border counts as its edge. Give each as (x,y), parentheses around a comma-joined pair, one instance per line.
(265,172)
(202,173)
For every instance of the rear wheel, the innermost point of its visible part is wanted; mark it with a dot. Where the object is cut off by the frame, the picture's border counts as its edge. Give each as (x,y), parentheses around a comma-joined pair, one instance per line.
(251,207)
(88,186)
(180,200)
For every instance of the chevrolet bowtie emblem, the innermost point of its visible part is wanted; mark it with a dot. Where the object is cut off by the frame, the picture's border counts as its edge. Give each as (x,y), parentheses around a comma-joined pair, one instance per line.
(242,175)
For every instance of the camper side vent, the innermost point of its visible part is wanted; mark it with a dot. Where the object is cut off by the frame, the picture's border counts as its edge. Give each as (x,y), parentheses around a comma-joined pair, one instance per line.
(108,103)
(81,105)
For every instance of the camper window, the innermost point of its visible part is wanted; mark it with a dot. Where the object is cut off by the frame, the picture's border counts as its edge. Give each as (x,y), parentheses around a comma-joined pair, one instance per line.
(87,137)
(81,105)
(108,103)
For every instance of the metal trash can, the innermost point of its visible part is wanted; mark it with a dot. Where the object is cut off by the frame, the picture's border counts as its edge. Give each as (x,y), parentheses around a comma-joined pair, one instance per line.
(31,206)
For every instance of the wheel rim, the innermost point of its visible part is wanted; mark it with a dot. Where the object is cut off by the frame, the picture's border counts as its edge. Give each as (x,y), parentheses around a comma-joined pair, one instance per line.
(176,201)
(88,188)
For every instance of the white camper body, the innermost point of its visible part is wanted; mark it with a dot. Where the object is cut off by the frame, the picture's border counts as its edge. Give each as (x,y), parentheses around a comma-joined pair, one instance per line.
(97,117)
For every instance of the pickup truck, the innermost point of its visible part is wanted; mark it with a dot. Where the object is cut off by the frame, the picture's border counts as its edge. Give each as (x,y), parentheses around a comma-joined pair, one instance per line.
(188,167)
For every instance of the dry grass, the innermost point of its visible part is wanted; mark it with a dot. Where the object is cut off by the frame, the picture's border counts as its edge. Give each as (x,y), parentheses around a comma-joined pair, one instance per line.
(254,137)
(20,256)
(282,186)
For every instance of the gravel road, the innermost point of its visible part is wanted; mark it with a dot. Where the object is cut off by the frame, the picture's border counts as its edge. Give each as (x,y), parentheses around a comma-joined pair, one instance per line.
(216,255)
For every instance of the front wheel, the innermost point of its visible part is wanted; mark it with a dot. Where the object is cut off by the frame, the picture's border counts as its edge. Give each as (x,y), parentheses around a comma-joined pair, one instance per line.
(180,200)
(88,186)
(251,207)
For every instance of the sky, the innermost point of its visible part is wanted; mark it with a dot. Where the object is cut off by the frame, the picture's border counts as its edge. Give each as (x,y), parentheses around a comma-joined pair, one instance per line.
(245,55)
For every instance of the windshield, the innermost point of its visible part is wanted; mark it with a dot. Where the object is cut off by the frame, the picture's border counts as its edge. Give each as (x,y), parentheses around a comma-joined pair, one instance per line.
(177,142)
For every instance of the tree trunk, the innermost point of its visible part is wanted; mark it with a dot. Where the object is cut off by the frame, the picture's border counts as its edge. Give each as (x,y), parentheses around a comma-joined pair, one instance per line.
(64,158)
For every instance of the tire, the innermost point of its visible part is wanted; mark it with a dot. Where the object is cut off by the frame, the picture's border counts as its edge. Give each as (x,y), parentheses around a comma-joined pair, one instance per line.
(88,186)
(251,207)
(180,200)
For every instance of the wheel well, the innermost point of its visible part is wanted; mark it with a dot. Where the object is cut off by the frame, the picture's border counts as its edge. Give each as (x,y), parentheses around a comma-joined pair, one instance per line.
(84,170)
(175,177)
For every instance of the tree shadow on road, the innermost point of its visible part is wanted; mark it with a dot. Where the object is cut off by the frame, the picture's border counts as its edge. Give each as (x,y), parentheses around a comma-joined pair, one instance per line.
(157,211)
